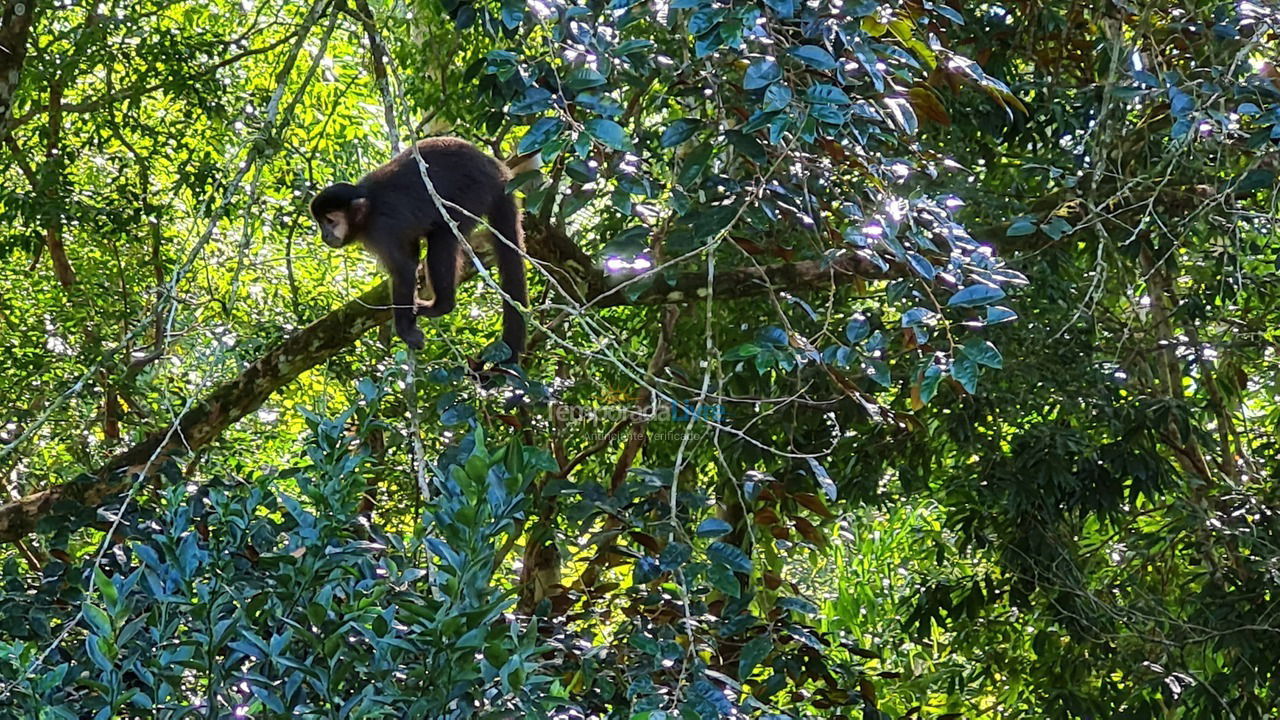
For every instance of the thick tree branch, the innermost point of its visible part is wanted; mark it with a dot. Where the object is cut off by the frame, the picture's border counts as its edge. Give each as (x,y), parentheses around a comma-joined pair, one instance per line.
(329,335)
(15,26)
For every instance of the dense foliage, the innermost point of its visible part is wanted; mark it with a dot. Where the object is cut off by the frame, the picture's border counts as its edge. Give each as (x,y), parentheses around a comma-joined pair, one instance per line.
(891,360)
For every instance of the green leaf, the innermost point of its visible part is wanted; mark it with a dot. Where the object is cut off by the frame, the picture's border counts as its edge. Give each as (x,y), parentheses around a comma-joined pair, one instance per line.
(828,95)
(1180,103)
(929,383)
(753,653)
(535,100)
(878,371)
(583,78)
(858,328)
(798,604)
(783,8)
(830,114)
(704,20)
(814,57)
(903,114)
(248,648)
(1021,227)
(966,373)
(644,643)
(459,414)
(694,163)
(98,619)
(761,73)
(679,131)
(97,647)
(633,45)
(983,353)
(729,556)
(742,352)
(777,97)
(824,479)
(539,134)
(105,587)
(975,295)
(713,527)
(1256,179)
(918,317)
(674,556)
(923,267)
(512,13)
(608,133)
(948,13)
(1056,227)
(997,314)
(723,579)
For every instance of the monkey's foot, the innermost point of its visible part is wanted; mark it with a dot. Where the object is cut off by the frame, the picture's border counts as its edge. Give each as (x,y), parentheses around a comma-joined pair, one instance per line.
(432,309)
(412,337)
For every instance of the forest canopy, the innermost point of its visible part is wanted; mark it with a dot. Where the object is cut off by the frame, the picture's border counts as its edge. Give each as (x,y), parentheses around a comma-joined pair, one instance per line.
(887,360)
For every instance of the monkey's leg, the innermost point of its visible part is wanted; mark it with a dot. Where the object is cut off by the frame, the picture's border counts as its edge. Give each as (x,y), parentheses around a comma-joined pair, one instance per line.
(404,286)
(442,266)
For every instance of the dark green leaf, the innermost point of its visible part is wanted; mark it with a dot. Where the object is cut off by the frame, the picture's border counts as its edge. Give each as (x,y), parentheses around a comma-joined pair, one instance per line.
(917,317)
(583,78)
(1021,227)
(753,653)
(983,353)
(923,267)
(976,295)
(827,94)
(878,371)
(539,134)
(814,57)
(704,20)
(858,328)
(777,97)
(742,352)
(966,373)
(679,131)
(98,620)
(723,579)
(997,314)
(608,133)
(729,556)
(929,383)
(783,8)
(105,587)
(713,527)
(761,73)
(824,479)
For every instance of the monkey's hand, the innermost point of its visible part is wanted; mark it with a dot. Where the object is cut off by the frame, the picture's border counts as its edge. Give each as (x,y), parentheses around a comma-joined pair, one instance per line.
(412,337)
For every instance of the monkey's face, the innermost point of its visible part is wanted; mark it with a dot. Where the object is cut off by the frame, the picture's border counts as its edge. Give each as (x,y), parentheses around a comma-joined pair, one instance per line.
(342,226)
(334,229)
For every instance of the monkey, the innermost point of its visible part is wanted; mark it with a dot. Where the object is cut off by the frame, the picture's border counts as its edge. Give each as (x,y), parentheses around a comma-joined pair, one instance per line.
(390,211)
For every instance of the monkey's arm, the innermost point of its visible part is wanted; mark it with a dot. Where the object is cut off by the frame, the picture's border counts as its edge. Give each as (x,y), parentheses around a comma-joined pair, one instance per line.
(399,256)
(442,267)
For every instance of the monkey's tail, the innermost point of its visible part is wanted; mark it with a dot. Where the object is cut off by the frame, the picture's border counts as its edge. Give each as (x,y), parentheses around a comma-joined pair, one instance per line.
(505,219)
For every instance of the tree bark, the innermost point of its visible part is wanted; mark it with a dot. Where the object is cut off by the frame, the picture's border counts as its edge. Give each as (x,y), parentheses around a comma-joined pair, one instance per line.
(15,26)
(328,336)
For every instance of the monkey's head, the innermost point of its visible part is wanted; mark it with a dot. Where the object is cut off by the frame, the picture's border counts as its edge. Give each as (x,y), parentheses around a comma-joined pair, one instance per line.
(341,211)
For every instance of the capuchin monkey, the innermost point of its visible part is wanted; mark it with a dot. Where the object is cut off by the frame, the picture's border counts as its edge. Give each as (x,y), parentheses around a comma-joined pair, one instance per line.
(390,211)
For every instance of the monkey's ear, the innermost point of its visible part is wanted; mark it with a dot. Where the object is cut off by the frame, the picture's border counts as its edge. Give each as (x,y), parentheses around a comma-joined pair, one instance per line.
(359,208)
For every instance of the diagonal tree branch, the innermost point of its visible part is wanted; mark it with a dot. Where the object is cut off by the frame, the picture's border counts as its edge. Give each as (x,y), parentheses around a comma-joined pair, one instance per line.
(329,335)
